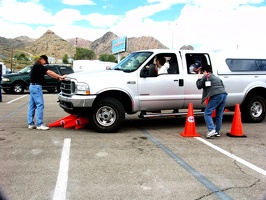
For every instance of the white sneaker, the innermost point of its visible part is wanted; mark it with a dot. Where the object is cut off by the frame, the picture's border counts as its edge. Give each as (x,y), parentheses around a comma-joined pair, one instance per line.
(31,126)
(43,127)
(211,133)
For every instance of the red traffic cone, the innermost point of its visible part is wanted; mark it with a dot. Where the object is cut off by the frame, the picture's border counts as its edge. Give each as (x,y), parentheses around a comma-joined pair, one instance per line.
(236,129)
(82,121)
(62,121)
(79,127)
(190,128)
(70,123)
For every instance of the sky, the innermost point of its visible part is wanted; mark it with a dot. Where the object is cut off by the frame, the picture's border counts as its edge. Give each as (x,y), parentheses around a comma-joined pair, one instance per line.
(204,24)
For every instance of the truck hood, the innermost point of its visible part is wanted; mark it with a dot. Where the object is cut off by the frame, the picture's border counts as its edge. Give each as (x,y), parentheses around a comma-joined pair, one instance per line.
(87,77)
(14,75)
(102,80)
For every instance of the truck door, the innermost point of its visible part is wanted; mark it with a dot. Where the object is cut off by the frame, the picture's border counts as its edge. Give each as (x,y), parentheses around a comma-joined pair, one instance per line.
(192,94)
(164,91)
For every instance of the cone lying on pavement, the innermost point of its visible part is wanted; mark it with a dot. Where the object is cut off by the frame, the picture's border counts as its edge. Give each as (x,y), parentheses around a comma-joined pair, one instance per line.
(236,128)
(81,122)
(62,121)
(190,127)
(78,123)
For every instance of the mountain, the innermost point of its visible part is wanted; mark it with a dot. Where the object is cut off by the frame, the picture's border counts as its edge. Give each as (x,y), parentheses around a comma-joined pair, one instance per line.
(103,45)
(54,46)
(7,45)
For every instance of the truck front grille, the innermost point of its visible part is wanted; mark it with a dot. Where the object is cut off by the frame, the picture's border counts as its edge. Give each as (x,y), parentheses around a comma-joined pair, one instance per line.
(67,87)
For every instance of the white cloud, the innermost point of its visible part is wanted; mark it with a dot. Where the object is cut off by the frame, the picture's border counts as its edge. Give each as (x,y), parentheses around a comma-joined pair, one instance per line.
(211,24)
(78,2)
(26,13)
(104,21)
(66,17)
(220,26)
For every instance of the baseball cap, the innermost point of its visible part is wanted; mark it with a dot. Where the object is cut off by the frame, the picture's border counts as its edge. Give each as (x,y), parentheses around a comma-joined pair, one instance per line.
(198,64)
(45,58)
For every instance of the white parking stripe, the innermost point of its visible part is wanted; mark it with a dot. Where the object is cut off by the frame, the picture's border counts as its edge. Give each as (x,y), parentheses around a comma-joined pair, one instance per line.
(61,183)
(251,166)
(17,99)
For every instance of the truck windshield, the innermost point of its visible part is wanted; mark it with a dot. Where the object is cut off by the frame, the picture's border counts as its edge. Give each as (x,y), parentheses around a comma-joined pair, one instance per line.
(133,61)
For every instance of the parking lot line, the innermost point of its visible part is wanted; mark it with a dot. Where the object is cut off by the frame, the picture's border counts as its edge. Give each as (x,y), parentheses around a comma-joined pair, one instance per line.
(62,178)
(16,99)
(202,179)
(13,112)
(251,166)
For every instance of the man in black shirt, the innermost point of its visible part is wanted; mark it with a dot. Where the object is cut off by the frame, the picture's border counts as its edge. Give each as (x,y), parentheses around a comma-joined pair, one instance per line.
(36,103)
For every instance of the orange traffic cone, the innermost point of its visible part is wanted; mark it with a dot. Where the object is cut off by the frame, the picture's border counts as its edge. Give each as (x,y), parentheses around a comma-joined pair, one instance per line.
(236,129)
(70,123)
(79,127)
(190,128)
(62,121)
(82,121)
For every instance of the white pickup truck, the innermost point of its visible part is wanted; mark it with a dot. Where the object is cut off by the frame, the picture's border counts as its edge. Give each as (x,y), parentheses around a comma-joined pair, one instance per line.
(134,85)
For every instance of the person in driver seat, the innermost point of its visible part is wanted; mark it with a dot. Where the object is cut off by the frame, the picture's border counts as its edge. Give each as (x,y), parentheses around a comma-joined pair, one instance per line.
(161,65)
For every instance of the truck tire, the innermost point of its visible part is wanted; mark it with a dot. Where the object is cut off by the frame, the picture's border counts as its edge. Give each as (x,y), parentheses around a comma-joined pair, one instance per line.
(18,88)
(107,115)
(253,110)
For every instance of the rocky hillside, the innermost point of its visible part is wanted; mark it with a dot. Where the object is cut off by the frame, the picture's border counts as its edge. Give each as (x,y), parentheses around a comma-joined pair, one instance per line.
(54,46)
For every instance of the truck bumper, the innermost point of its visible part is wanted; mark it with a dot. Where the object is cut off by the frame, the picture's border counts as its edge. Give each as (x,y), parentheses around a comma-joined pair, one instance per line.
(76,101)
(6,86)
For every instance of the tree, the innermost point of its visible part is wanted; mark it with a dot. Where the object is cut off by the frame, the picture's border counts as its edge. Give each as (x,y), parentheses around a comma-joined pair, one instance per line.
(84,54)
(107,57)
(65,59)
(187,47)
(21,57)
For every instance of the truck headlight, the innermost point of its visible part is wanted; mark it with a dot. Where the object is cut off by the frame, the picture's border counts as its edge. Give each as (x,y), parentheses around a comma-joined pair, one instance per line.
(82,88)
(5,79)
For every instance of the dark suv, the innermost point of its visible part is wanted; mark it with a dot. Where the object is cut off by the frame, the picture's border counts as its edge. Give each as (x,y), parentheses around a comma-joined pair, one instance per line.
(18,82)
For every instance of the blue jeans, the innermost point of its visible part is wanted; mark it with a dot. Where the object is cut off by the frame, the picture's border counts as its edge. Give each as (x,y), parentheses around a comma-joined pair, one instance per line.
(216,102)
(36,103)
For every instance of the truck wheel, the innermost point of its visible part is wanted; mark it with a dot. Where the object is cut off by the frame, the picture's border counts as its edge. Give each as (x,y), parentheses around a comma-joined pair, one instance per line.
(107,116)
(17,88)
(254,109)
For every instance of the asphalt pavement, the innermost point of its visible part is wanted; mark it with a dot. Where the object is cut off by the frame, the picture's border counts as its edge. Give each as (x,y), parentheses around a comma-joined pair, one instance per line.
(146,159)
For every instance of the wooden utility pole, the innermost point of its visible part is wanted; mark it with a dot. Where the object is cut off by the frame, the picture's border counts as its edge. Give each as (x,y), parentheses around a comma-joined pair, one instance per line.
(11,60)
(76,48)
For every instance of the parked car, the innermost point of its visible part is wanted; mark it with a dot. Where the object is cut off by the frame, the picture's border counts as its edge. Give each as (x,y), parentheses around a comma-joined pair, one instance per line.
(19,82)
(8,71)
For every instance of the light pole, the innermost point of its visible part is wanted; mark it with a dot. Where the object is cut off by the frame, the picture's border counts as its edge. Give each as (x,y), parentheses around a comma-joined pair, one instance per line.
(172,26)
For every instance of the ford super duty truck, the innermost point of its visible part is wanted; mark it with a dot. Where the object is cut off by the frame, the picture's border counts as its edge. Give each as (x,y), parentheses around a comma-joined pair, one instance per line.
(134,85)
